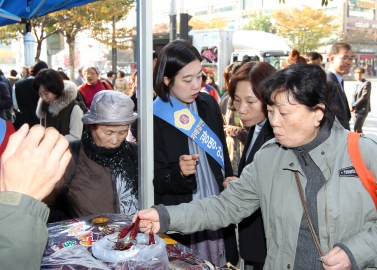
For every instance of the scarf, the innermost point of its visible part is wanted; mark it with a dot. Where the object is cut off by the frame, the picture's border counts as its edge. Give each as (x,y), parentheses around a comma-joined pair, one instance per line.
(124,170)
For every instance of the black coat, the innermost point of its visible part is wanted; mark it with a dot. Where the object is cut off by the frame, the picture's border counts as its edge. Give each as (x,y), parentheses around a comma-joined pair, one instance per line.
(27,100)
(339,101)
(170,188)
(252,240)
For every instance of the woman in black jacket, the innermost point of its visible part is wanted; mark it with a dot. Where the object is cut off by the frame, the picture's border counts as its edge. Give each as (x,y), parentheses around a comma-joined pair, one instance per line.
(246,96)
(183,171)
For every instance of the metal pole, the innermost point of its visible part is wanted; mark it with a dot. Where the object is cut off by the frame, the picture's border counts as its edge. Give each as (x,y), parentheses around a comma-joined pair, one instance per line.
(145,102)
(173,21)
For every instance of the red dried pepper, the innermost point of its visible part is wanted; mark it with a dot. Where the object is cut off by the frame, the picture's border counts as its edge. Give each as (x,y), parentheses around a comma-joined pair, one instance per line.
(123,246)
(135,229)
(151,238)
(125,231)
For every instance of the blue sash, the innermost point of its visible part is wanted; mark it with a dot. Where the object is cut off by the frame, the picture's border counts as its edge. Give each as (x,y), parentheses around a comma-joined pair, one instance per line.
(188,122)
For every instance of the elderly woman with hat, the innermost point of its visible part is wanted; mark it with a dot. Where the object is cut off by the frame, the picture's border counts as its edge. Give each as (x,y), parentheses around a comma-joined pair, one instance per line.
(102,176)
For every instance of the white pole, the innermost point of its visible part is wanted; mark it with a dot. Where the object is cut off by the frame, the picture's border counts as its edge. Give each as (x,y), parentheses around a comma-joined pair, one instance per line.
(145,102)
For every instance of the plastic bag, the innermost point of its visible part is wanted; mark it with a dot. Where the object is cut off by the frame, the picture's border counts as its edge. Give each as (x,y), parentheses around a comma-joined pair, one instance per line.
(140,256)
(74,257)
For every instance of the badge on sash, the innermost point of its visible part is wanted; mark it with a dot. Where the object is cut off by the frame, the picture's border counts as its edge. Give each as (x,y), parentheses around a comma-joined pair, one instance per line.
(188,122)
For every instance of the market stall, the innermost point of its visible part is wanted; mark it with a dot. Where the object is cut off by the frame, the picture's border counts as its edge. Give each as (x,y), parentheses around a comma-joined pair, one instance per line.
(111,241)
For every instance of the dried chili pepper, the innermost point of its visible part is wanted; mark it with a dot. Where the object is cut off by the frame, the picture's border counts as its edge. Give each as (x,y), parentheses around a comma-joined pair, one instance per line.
(125,231)
(135,229)
(151,238)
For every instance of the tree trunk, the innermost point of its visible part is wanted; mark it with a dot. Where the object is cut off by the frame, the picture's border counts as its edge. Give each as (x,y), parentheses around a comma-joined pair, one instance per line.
(39,48)
(71,40)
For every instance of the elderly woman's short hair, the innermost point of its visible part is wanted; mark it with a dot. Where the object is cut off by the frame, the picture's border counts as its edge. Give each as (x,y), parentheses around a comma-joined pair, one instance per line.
(307,84)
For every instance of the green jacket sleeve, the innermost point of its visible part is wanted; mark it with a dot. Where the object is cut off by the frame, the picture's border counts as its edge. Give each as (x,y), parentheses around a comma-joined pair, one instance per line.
(239,200)
(23,234)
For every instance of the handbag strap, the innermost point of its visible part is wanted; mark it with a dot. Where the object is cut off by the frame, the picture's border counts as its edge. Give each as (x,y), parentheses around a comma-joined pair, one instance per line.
(366,177)
(301,192)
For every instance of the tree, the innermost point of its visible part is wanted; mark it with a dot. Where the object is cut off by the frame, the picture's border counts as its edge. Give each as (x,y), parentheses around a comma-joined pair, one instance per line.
(41,27)
(359,38)
(94,16)
(217,22)
(7,56)
(160,28)
(259,21)
(305,28)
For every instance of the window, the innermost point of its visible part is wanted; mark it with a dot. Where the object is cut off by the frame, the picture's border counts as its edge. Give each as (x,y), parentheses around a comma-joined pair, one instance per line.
(199,13)
(361,13)
(224,9)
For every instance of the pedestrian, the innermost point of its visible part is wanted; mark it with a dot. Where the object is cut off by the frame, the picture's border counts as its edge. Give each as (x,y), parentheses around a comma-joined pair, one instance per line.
(177,81)
(294,57)
(31,165)
(13,77)
(110,78)
(57,106)
(308,156)
(361,99)
(341,58)
(25,100)
(227,75)
(314,58)
(5,102)
(80,78)
(246,92)
(92,85)
(104,152)
(121,84)
(206,88)
(25,73)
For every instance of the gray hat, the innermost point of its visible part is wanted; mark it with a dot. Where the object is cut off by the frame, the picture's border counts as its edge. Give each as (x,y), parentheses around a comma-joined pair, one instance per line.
(110,108)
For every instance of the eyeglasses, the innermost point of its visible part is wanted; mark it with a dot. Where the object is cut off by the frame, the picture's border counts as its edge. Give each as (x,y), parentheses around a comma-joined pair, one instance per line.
(345,58)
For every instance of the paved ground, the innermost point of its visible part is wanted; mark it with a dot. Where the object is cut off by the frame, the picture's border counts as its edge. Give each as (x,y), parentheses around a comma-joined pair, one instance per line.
(370,125)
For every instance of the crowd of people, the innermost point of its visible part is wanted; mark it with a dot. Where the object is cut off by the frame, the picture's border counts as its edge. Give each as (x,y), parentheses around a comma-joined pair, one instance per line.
(268,159)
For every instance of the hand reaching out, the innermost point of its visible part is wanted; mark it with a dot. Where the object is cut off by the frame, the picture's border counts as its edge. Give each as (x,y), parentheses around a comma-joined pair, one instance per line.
(149,219)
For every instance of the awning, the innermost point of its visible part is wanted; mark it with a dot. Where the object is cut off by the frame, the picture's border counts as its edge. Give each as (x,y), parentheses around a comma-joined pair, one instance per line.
(365,56)
(12,11)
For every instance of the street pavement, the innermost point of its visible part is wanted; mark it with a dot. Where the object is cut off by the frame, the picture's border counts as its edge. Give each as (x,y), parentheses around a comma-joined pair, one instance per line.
(370,124)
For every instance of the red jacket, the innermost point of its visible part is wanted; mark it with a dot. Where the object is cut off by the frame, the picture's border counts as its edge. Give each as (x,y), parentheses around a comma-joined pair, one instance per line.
(5,134)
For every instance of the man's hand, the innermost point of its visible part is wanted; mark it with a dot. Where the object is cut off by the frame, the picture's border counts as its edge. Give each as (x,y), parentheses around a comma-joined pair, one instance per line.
(228,179)
(34,162)
(187,163)
(149,219)
(336,259)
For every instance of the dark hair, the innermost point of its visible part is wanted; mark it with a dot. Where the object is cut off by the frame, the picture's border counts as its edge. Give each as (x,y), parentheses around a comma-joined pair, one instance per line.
(294,57)
(253,72)
(229,72)
(172,58)
(110,74)
(1,73)
(37,67)
(338,46)
(63,75)
(13,73)
(362,70)
(311,56)
(51,81)
(306,84)
(121,73)
(155,55)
